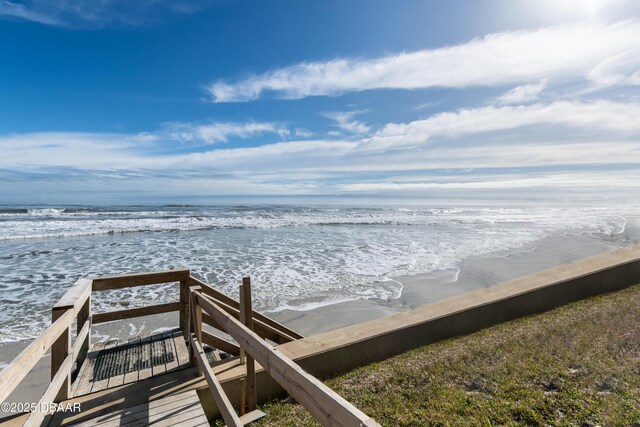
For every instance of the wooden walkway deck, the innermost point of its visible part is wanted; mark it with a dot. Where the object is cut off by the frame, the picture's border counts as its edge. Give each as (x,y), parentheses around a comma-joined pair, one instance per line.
(181,409)
(155,380)
(114,363)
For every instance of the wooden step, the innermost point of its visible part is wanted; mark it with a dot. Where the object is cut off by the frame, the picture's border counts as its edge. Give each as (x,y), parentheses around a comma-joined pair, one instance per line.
(182,409)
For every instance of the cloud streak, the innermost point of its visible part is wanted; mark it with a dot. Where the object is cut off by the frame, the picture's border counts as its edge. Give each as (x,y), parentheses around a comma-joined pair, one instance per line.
(344,120)
(96,14)
(605,54)
(623,118)
(599,135)
(221,132)
(524,93)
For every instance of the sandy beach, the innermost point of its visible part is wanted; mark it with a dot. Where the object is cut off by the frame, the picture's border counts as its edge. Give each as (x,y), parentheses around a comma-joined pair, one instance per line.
(473,273)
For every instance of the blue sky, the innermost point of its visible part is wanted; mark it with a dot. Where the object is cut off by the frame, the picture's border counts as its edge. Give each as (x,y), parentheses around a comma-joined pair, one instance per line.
(138,101)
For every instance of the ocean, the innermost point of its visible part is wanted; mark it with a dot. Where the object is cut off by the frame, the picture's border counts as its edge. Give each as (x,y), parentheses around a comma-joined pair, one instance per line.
(298,257)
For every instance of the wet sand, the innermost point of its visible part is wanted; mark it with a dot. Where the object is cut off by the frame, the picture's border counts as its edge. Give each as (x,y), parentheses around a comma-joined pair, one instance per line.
(473,273)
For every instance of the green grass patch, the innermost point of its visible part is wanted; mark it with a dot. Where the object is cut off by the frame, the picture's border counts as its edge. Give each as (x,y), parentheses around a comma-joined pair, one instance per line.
(575,365)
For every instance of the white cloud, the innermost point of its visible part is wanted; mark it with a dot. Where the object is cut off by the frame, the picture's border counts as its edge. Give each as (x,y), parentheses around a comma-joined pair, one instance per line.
(17,10)
(221,132)
(618,180)
(344,121)
(567,51)
(561,135)
(302,133)
(73,149)
(620,69)
(96,14)
(524,93)
(596,115)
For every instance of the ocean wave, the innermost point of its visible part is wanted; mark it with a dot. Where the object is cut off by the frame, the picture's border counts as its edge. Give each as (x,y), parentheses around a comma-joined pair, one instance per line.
(298,258)
(80,222)
(13,211)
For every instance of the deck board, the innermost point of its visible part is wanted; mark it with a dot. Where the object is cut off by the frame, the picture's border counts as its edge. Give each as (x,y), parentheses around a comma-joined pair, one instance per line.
(181,409)
(116,363)
(181,350)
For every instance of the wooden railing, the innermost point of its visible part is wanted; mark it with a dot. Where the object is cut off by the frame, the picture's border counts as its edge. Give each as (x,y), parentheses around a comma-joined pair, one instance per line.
(57,337)
(105,283)
(329,408)
(66,358)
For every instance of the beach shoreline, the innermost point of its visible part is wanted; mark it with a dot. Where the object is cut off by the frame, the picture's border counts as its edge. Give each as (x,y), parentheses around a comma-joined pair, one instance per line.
(474,272)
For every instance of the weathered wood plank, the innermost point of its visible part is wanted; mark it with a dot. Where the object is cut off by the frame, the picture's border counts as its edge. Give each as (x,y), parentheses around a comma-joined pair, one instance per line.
(191,324)
(172,363)
(158,351)
(102,361)
(220,343)
(184,308)
(217,295)
(60,349)
(181,349)
(196,321)
(81,340)
(83,382)
(110,316)
(76,295)
(20,366)
(224,405)
(144,363)
(247,319)
(252,416)
(118,364)
(328,407)
(84,319)
(57,383)
(103,283)
(134,357)
(193,418)
(262,329)
(147,413)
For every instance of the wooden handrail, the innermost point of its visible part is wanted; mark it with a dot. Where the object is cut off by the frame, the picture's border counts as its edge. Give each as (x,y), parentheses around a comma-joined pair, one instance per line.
(76,303)
(37,416)
(75,296)
(104,283)
(224,405)
(20,366)
(72,304)
(76,300)
(220,343)
(287,333)
(77,349)
(109,316)
(328,407)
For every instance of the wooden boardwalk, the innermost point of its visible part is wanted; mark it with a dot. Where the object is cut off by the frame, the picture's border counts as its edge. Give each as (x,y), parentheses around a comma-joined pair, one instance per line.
(181,409)
(156,380)
(114,363)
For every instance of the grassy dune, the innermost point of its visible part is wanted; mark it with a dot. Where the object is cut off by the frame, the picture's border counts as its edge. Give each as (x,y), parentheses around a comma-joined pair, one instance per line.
(576,365)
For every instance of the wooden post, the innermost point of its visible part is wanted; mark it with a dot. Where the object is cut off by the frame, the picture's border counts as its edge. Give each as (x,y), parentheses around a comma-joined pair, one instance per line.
(243,319)
(243,397)
(247,320)
(60,349)
(191,317)
(184,309)
(196,325)
(83,317)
